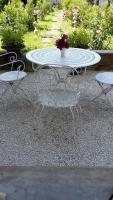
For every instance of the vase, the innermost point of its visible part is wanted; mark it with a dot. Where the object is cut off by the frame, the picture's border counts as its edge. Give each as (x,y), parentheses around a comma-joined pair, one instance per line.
(63,51)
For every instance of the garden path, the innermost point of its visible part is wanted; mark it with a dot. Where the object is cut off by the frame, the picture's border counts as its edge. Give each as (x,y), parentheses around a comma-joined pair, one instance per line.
(55,28)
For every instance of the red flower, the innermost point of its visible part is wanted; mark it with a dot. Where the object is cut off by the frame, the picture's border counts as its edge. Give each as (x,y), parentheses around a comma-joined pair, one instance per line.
(66,45)
(64,36)
(61,42)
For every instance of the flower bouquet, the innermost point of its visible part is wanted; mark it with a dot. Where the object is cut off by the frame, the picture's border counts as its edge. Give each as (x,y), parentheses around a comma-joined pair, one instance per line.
(62,44)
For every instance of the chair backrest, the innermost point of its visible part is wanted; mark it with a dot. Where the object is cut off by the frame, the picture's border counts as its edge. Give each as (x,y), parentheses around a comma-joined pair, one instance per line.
(20,65)
(58,90)
(10,59)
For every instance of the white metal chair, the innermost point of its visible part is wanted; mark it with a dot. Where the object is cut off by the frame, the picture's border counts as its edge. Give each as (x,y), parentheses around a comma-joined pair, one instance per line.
(57,96)
(105,81)
(13,78)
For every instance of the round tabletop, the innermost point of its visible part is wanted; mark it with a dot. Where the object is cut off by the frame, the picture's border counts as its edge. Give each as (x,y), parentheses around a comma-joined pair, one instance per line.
(74,57)
(105,77)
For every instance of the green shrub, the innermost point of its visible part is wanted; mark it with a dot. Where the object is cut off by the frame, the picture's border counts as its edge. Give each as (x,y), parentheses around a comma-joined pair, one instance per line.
(11,38)
(29,15)
(13,23)
(34,2)
(97,19)
(3,3)
(87,13)
(104,16)
(67,4)
(99,36)
(101,25)
(80,38)
(108,15)
(44,7)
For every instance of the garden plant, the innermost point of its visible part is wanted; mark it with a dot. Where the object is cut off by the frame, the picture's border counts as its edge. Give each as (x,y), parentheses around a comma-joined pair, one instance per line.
(92,25)
(87,24)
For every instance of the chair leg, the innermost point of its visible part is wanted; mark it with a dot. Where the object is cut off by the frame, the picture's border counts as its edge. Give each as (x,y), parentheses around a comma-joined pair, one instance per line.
(77,111)
(5,91)
(72,113)
(37,117)
(38,109)
(41,111)
(79,108)
(104,91)
(3,94)
(26,96)
(97,96)
(73,116)
(100,94)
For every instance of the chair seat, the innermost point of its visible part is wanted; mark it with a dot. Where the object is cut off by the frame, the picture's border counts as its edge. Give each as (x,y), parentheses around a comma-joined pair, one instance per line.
(105,77)
(58,98)
(12,76)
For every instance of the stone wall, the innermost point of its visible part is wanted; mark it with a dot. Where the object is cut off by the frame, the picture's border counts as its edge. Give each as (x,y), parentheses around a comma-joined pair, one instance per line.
(106,62)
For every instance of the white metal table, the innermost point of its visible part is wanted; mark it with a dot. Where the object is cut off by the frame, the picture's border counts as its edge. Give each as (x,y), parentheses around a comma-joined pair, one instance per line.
(74,58)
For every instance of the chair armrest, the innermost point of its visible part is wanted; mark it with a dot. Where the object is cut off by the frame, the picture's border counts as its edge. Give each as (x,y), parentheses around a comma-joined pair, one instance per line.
(21,66)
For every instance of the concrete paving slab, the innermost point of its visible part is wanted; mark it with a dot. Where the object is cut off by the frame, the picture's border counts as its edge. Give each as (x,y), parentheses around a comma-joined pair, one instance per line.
(45,183)
(47,40)
(54,30)
(2,196)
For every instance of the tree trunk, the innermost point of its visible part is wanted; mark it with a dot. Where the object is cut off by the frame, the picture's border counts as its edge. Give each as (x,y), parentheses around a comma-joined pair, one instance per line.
(91,1)
(24,1)
(97,2)
(109,3)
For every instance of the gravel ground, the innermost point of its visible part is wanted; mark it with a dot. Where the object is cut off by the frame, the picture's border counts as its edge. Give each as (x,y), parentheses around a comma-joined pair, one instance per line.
(55,139)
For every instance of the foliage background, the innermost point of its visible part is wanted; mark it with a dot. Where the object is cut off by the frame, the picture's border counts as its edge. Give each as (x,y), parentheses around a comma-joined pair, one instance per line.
(88,25)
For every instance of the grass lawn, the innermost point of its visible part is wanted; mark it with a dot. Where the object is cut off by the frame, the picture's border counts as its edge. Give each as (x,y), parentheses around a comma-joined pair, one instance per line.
(34,40)
(46,23)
